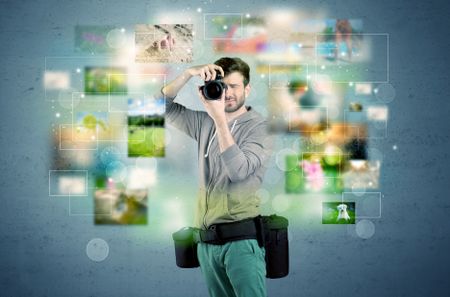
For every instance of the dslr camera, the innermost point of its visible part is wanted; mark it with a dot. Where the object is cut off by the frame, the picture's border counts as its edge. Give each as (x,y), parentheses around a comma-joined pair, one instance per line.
(213,89)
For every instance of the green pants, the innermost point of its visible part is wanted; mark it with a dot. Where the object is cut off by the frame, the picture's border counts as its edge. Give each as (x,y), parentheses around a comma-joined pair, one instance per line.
(235,269)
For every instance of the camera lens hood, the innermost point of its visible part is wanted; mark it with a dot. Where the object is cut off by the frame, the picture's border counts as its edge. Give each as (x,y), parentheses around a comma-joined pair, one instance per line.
(213,89)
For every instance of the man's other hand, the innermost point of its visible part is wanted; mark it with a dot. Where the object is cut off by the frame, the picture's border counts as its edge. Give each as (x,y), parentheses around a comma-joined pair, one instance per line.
(215,108)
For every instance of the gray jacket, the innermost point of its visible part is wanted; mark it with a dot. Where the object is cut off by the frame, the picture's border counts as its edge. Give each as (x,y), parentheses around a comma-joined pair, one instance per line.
(228,180)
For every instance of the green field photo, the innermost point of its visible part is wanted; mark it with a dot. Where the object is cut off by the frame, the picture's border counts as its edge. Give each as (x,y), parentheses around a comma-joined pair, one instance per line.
(145,141)
(146,136)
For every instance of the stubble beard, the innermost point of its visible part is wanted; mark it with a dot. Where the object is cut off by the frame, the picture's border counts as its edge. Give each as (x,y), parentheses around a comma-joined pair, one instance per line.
(239,103)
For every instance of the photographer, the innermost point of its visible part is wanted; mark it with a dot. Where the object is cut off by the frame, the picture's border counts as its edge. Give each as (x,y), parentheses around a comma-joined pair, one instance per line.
(232,149)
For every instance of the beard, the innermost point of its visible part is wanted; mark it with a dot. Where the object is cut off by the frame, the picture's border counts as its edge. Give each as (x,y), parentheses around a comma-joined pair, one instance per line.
(239,102)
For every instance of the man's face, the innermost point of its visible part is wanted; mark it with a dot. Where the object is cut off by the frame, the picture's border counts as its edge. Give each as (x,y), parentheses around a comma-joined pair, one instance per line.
(236,91)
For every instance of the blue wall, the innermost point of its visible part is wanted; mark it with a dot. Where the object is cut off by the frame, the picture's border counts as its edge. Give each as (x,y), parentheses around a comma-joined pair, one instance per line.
(43,249)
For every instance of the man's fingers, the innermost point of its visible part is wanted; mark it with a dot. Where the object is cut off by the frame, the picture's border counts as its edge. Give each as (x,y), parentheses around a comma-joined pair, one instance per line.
(213,73)
(208,74)
(213,69)
(216,67)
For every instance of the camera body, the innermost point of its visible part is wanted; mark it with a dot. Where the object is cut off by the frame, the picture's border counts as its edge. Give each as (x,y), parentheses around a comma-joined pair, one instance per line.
(213,89)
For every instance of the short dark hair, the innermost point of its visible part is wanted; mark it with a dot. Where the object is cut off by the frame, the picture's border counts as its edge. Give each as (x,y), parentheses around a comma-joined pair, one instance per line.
(230,65)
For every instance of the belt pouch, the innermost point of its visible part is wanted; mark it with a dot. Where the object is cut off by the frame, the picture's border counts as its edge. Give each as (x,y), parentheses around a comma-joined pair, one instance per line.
(185,248)
(276,246)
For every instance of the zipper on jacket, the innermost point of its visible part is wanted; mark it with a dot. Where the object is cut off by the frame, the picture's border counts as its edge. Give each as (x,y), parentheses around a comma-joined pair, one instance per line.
(206,210)
(208,190)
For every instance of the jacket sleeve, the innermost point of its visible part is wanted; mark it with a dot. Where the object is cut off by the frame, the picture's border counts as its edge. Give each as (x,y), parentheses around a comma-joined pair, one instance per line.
(243,160)
(187,120)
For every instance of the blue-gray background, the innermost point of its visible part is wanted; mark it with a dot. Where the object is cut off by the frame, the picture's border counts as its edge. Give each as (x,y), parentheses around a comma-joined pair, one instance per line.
(43,249)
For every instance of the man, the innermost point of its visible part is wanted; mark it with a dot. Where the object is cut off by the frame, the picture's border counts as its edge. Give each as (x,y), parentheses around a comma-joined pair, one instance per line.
(232,149)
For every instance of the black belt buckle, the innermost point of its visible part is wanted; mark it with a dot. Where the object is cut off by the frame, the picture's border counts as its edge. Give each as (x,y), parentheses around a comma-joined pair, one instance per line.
(210,235)
(260,231)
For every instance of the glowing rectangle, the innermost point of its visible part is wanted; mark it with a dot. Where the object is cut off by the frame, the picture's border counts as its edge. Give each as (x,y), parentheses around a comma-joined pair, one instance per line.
(368,203)
(67,182)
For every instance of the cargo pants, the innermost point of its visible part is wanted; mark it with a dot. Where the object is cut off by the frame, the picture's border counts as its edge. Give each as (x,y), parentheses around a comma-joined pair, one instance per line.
(235,269)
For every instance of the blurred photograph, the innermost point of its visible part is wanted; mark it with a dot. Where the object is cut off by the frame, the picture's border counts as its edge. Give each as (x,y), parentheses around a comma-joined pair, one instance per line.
(164,43)
(92,39)
(56,80)
(105,80)
(338,213)
(234,34)
(298,103)
(75,138)
(341,39)
(146,128)
(314,173)
(117,206)
(361,175)
(68,183)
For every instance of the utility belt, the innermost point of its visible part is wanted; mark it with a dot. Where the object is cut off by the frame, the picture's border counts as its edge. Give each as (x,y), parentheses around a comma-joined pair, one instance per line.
(270,232)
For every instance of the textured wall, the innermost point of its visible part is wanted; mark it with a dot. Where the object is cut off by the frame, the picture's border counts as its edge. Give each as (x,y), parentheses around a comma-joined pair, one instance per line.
(43,249)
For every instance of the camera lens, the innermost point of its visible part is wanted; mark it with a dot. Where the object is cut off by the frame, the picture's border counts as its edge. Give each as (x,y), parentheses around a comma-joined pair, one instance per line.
(213,90)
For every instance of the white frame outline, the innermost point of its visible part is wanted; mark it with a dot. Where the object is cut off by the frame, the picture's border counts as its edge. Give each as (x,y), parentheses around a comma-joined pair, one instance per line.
(102,57)
(368,34)
(60,140)
(356,198)
(287,64)
(93,214)
(366,122)
(290,129)
(75,170)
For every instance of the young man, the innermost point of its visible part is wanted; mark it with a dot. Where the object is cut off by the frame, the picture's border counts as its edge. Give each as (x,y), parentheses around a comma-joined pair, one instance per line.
(233,146)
